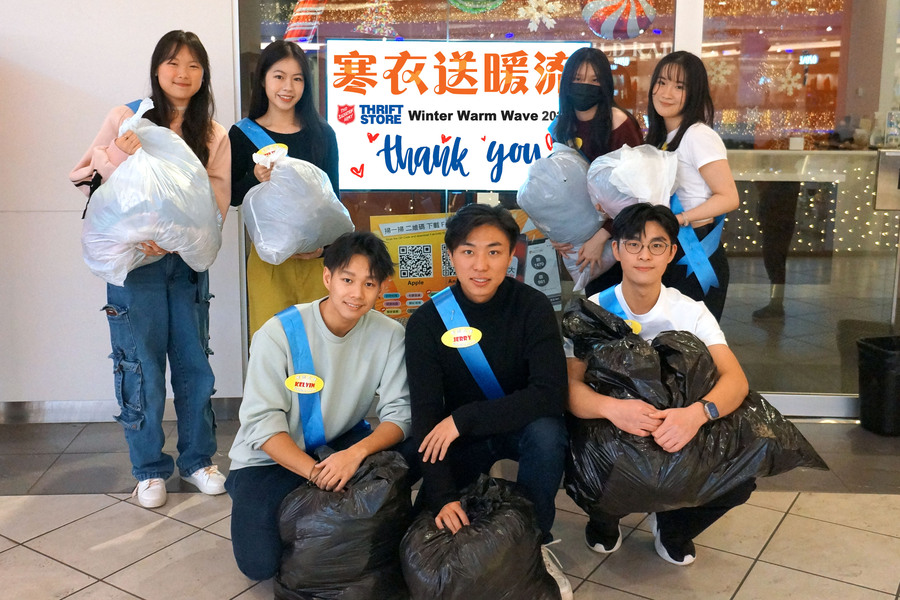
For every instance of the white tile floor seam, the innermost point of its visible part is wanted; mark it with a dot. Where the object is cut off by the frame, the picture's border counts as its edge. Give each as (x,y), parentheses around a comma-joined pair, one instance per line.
(732,562)
(92,541)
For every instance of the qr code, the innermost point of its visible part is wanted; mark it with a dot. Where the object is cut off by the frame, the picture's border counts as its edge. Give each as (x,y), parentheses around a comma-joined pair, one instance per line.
(416,262)
(447,269)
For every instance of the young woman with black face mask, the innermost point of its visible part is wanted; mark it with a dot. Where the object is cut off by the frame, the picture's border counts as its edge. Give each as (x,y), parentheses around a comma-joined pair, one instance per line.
(590,121)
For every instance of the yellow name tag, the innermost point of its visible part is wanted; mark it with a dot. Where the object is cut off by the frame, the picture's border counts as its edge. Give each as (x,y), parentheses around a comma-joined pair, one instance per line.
(276,150)
(635,326)
(461,337)
(304,383)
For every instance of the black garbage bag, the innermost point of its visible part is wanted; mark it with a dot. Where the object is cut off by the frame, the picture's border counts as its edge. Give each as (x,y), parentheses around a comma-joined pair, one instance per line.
(346,544)
(615,472)
(496,557)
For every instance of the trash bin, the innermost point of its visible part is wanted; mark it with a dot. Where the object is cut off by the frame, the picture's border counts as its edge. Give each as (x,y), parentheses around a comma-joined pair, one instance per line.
(879,384)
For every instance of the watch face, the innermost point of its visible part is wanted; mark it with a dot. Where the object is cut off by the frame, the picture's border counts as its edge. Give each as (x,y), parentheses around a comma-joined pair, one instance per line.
(711,411)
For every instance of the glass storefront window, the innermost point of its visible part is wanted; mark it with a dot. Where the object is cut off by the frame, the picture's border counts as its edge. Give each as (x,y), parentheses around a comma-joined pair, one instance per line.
(796,86)
(803,93)
(774,69)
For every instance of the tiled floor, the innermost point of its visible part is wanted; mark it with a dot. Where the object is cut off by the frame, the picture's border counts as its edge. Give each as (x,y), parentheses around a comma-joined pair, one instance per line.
(69,529)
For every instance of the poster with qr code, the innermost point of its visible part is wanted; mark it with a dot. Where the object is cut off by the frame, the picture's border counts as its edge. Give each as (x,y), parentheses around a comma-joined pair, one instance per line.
(422,265)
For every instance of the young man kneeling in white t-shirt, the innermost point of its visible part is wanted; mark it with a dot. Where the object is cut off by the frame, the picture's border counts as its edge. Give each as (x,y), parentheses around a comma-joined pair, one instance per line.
(644,243)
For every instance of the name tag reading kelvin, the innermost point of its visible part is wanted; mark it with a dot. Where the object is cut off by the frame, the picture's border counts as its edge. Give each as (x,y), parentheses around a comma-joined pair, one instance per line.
(304,383)
(461,337)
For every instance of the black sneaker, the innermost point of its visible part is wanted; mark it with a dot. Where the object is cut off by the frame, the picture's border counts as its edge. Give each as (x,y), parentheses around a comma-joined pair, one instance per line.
(681,553)
(603,542)
(769,311)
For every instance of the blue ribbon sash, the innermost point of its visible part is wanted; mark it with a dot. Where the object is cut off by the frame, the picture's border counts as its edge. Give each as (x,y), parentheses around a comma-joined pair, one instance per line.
(697,252)
(452,316)
(255,133)
(301,356)
(608,300)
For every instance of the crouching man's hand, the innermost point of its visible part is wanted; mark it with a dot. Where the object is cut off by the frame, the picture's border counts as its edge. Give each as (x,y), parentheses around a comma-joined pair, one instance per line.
(679,426)
(334,472)
(434,446)
(634,416)
(452,516)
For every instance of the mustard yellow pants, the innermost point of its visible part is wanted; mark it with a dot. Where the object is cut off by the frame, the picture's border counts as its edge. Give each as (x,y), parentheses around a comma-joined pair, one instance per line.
(272,288)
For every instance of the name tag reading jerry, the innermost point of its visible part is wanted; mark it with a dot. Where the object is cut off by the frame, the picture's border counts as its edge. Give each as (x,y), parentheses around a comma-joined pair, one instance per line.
(461,337)
(304,383)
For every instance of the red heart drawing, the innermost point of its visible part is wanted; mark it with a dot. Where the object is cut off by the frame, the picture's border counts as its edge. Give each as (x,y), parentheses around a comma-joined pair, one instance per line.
(483,138)
(358,172)
(372,136)
(445,138)
(549,141)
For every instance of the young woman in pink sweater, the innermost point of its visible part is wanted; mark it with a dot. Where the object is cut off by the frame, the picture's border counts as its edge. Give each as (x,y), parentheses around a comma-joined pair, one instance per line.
(162,310)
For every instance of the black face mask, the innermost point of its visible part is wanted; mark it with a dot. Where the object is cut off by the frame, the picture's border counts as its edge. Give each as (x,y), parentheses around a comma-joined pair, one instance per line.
(585,95)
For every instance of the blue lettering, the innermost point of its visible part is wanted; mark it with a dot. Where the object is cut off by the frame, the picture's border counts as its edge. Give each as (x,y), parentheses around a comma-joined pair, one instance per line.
(426,158)
(516,153)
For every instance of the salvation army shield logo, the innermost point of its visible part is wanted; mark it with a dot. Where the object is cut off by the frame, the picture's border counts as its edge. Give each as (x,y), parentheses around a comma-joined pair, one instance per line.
(346,113)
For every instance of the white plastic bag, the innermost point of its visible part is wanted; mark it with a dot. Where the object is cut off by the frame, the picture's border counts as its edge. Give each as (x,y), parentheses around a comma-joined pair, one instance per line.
(581,278)
(630,175)
(555,196)
(160,193)
(295,211)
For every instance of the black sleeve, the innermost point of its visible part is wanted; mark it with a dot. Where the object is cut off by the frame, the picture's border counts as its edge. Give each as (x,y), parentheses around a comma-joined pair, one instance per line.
(330,165)
(242,177)
(426,394)
(546,390)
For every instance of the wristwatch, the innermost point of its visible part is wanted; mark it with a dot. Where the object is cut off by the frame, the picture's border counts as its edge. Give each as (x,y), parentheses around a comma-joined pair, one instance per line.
(710,409)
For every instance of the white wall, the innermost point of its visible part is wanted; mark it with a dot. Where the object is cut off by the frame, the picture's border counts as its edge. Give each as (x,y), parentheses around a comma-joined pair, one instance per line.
(63,65)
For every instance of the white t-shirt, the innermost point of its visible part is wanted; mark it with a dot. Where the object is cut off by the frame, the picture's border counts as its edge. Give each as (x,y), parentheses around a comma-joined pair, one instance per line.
(699,147)
(673,311)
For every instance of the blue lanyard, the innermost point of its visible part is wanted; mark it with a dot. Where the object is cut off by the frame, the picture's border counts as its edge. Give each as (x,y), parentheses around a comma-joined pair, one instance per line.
(452,316)
(301,355)
(255,133)
(696,252)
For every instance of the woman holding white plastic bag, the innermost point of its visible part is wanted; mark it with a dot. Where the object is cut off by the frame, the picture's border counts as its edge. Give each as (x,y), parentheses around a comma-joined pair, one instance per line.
(681,115)
(590,121)
(281,103)
(162,310)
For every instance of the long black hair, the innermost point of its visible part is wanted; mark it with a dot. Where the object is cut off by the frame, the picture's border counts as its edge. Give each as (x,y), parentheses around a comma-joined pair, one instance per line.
(601,125)
(305,109)
(197,127)
(688,69)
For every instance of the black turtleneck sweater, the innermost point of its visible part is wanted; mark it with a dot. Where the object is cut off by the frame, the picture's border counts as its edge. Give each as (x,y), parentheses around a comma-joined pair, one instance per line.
(521,342)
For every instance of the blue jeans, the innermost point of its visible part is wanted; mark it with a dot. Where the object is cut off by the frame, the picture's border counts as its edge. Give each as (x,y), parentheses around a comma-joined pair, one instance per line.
(539,448)
(256,496)
(163,311)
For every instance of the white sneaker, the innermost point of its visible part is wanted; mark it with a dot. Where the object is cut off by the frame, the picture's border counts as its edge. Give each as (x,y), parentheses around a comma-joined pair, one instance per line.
(208,480)
(551,563)
(150,493)
(681,556)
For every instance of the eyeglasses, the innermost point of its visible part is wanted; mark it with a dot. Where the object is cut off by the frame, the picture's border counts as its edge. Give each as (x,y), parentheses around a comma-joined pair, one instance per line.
(655,248)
